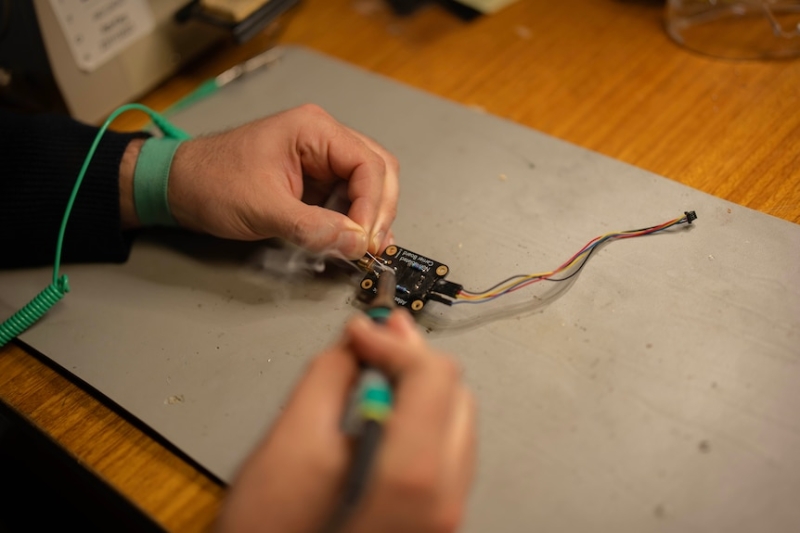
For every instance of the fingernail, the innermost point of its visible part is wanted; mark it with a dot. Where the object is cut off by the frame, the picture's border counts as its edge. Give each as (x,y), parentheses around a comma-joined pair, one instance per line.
(352,242)
(377,241)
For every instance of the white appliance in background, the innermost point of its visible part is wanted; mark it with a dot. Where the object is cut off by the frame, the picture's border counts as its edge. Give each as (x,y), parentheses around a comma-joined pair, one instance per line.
(106,52)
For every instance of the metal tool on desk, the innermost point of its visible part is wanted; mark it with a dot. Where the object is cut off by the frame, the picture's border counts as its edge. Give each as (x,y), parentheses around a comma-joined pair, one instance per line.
(212,85)
(371,401)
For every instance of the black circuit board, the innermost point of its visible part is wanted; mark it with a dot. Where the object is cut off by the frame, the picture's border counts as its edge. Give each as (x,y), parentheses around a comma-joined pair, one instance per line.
(419,279)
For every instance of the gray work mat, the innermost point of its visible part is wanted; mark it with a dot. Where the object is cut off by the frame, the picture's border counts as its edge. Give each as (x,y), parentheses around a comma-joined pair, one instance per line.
(660,392)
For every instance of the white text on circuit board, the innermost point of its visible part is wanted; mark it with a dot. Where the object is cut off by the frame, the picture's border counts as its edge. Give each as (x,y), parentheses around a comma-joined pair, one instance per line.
(417,265)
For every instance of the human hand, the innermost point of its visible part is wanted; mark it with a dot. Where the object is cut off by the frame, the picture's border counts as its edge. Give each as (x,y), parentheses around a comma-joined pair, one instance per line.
(260,180)
(293,481)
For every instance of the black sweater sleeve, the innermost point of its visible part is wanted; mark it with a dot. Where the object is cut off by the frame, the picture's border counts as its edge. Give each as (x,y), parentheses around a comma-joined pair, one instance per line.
(40,157)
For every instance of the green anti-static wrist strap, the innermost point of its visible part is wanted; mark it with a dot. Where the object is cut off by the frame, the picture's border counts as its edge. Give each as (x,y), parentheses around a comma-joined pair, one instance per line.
(36,308)
(151,181)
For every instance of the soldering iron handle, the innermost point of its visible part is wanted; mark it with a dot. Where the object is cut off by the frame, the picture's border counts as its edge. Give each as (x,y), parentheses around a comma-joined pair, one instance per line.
(364,457)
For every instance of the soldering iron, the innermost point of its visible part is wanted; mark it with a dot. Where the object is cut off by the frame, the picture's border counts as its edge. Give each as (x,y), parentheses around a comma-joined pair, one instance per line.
(371,401)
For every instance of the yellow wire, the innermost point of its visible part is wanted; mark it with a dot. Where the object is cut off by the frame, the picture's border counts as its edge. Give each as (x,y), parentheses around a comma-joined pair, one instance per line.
(519,281)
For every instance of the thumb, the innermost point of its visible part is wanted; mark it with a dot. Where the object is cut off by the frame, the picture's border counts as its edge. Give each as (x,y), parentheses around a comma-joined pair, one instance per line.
(321,230)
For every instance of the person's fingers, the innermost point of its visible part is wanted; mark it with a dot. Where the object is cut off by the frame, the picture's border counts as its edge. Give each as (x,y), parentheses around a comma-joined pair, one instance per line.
(381,347)
(391,192)
(422,407)
(293,478)
(387,241)
(425,383)
(328,149)
(313,415)
(439,467)
(460,448)
(402,323)
(318,401)
(321,230)
(423,471)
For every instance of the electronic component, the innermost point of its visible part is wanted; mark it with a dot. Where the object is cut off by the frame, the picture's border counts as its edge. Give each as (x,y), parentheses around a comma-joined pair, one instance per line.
(419,278)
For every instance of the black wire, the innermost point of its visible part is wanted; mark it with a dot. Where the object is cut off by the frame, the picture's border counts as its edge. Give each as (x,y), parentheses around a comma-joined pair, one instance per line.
(583,263)
(591,251)
(677,222)
(496,284)
(585,259)
(610,237)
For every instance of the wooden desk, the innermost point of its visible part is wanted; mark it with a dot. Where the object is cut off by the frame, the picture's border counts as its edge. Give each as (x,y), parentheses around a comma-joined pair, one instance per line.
(600,74)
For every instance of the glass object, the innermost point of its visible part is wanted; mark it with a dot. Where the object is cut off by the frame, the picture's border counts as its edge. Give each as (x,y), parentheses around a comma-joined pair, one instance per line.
(736,29)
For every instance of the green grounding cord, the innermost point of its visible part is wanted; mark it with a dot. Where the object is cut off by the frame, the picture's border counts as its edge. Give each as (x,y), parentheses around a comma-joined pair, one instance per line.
(53,293)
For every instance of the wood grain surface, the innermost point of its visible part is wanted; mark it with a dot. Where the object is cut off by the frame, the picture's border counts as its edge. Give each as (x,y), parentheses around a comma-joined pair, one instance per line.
(601,74)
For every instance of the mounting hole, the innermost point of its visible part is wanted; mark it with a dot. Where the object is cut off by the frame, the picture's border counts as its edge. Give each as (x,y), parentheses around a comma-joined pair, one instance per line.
(416,305)
(391,250)
(442,270)
(367,284)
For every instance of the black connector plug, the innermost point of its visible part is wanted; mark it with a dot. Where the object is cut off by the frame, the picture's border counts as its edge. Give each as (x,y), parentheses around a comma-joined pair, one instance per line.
(690,216)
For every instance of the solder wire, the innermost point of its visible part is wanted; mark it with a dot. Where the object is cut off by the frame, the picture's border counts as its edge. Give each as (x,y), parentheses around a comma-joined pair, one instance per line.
(576,262)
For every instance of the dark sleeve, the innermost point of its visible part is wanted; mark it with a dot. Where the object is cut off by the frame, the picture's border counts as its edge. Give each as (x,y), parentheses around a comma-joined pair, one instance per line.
(40,157)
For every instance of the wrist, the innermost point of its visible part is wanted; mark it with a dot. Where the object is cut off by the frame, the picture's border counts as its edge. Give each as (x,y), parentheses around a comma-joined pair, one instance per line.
(182,174)
(151,181)
(127,167)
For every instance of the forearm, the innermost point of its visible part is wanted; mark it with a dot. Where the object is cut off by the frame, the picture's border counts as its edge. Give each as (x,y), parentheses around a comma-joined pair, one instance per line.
(40,158)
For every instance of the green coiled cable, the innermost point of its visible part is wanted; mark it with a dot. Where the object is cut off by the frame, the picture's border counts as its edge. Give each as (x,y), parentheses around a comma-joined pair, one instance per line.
(59,287)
